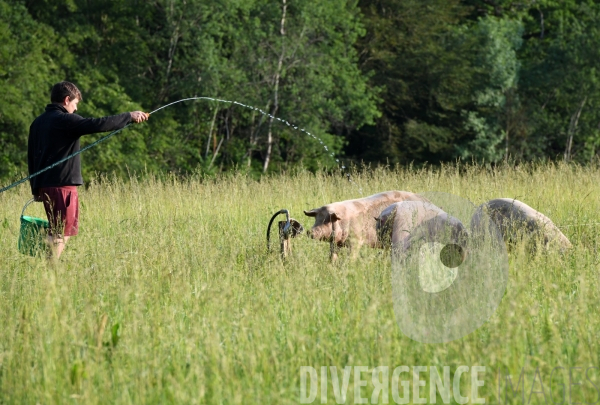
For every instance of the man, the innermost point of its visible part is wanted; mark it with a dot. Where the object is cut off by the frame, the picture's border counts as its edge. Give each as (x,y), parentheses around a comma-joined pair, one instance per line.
(53,136)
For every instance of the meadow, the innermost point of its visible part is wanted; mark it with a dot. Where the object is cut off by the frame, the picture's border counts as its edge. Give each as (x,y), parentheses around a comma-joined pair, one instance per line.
(168,294)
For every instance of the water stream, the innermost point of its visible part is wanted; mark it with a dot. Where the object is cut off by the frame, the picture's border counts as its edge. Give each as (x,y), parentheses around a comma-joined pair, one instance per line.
(295,127)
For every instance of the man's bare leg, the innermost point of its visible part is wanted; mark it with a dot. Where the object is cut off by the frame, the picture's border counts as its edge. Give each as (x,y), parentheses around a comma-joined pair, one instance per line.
(57,245)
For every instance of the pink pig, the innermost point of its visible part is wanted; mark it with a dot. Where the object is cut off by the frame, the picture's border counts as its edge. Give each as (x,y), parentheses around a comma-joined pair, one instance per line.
(350,223)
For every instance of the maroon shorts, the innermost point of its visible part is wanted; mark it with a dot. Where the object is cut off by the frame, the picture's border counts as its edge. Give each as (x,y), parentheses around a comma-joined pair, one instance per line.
(62,209)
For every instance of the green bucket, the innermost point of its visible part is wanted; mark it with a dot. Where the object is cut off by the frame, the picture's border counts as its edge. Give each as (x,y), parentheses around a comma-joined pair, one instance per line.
(32,234)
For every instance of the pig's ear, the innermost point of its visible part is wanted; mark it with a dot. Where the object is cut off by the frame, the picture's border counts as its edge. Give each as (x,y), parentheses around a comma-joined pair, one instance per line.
(311,213)
(335,216)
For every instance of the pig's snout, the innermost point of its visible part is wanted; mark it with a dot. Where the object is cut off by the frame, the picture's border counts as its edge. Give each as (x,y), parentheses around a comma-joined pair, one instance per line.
(314,233)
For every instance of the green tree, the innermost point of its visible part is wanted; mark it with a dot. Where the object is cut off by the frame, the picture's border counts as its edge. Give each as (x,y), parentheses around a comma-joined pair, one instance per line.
(298,62)
(561,80)
(412,52)
(31,59)
(494,43)
(100,36)
(294,60)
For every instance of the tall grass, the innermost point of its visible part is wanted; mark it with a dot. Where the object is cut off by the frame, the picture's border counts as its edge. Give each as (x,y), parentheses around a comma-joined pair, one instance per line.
(167,295)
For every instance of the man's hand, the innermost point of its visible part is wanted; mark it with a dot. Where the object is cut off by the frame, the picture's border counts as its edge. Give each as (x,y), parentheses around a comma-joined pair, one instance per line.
(139,116)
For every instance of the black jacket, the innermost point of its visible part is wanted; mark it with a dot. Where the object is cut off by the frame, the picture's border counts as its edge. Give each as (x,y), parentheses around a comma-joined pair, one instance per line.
(53,136)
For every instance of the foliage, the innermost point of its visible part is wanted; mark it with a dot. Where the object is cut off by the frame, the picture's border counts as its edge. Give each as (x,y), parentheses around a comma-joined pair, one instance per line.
(495,42)
(293,60)
(31,57)
(561,79)
(411,52)
(385,81)
(481,79)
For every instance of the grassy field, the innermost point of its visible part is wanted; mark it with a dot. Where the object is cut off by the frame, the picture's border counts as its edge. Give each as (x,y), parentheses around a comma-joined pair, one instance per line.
(167,295)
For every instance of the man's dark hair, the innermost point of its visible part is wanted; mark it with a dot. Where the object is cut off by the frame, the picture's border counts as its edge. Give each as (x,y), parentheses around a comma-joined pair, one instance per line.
(62,90)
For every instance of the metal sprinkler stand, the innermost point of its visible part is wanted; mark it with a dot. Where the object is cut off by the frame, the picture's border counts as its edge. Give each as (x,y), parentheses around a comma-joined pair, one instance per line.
(290,228)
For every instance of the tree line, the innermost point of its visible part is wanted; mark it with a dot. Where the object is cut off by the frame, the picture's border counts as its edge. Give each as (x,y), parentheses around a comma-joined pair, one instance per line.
(378,81)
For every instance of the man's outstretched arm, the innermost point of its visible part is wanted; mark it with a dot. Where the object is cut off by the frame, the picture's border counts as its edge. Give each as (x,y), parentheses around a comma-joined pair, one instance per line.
(79,126)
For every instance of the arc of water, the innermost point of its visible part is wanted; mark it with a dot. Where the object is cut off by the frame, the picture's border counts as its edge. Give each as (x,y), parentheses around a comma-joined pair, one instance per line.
(168,105)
